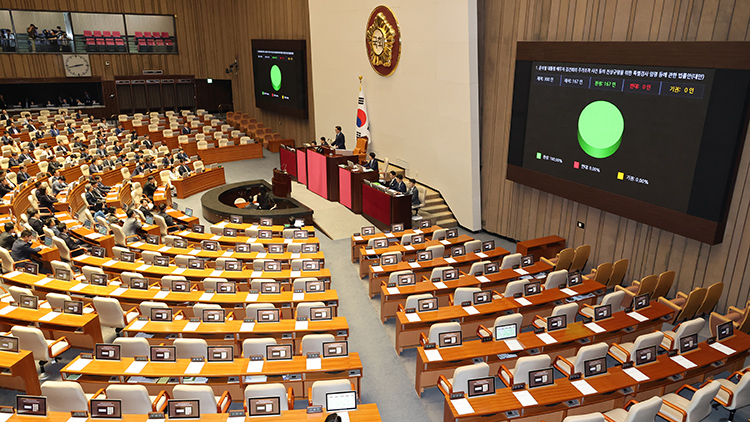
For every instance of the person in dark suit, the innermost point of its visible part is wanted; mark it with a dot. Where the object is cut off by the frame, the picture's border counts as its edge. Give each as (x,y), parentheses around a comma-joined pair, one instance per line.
(183,170)
(373,163)
(413,191)
(34,221)
(265,202)
(392,181)
(45,200)
(101,187)
(22,249)
(13,130)
(71,243)
(182,155)
(4,115)
(94,203)
(13,160)
(340,141)
(119,129)
(185,129)
(53,131)
(8,237)
(22,174)
(167,218)
(5,187)
(400,186)
(146,141)
(150,188)
(166,162)
(62,148)
(25,155)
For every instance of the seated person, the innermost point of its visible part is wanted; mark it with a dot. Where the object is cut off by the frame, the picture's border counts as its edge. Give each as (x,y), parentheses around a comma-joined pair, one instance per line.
(95,202)
(71,243)
(32,216)
(399,186)
(59,185)
(45,199)
(146,207)
(168,218)
(8,237)
(22,249)
(150,188)
(22,174)
(373,163)
(132,225)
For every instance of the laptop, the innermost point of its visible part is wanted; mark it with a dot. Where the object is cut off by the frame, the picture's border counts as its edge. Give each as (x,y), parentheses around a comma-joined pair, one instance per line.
(311,265)
(149,219)
(29,302)
(397,227)
(139,283)
(265,234)
(99,279)
(127,257)
(98,252)
(369,230)
(62,274)
(189,212)
(458,250)
(181,285)
(479,298)
(197,228)
(196,264)
(341,401)
(450,274)
(488,245)
(491,268)
(425,224)
(310,248)
(180,243)
(229,287)
(152,239)
(725,330)
(242,247)
(210,245)
(574,280)
(533,288)
(233,265)
(161,261)
(270,287)
(527,260)
(267,222)
(275,248)
(301,234)
(235,219)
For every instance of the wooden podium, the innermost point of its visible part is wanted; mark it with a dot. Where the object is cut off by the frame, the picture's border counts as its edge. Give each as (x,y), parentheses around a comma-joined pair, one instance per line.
(282,183)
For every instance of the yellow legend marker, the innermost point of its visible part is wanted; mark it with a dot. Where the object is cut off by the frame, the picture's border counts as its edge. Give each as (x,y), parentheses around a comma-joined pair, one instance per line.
(620,175)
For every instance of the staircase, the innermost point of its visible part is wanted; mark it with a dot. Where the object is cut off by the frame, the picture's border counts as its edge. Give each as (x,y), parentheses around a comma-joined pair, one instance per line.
(436,209)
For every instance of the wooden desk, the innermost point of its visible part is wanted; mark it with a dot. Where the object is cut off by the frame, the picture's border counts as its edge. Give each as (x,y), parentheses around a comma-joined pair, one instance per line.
(97,373)
(323,173)
(553,400)
(230,153)
(183,301)
(359,240)
(105,241)
(620,328)
(288,160)
(235,332)
(350,187)
(364,413)
(82,331)
(284,258)
(390,298)
(195,183)
(274,145)
(407,332)
(546,247)
(228,240)
(380,274)
(19,372)
(383,209)
(276,229)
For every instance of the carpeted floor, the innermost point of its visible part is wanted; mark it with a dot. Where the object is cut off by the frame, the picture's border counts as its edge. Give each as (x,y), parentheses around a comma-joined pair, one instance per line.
(388,379)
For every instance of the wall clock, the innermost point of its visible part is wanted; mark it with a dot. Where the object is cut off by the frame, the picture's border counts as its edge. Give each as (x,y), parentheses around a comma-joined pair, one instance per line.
(76,65)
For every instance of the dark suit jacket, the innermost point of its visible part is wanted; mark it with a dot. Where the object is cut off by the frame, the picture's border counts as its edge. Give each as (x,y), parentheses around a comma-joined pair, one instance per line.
(401,187)
(186,131)
(37,225)
(91,199)
(183,170)
(22,176)
(22,250)
(372,164)
(6,240)
(340,141)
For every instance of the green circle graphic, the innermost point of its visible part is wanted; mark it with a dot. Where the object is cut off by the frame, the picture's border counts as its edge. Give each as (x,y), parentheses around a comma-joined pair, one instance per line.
(600,128)
(275,77)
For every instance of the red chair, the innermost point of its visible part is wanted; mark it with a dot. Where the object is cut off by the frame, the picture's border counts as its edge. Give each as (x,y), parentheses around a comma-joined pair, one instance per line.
(90,44)
(156,35)
(97,34)
(165,34)
(100,45)
(147,34)
(138,34)
(142,46)
(110,44)
(119,44)
(106,34)
(116,34)
(87,34)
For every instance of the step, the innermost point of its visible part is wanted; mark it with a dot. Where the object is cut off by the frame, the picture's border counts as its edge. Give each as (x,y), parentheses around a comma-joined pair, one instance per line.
(433,201)
(435,208)
(447,222)
(440,215)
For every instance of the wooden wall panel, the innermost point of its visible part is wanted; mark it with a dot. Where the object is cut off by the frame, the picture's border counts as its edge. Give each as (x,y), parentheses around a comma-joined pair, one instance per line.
(211,34)
(521,212)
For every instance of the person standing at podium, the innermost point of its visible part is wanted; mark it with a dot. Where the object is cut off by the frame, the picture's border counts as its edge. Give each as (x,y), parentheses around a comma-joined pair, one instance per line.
(340,141)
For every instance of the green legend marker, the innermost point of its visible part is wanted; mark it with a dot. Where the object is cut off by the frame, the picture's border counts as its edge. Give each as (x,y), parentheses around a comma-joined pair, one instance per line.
(538,155)
(600,128)
(276,77)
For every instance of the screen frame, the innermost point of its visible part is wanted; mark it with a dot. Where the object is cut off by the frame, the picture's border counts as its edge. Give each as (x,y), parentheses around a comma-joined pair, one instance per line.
(92,402)
(250,412)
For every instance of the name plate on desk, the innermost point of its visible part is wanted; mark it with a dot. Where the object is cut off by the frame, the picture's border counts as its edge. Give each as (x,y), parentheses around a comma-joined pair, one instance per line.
(520,386)
(156,415)
(314,409)
(79,414)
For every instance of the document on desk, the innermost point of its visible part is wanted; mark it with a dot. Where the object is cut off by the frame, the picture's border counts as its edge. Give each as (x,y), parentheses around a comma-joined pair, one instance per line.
(110,263)
(344,416)
(43,281)
(636,315)
(470,310)
(216,273)
(445,242)
(136,367)
(136,244)
(295,255)
(79,364)
(143,267)
(357,238)
(450,260)
(522,301)
(301,325)
(8,309)
(568,291)
(49,316)
(194,367)
(178,271)
(393,290)
(433,355)
(229,419)
(251,297)
(13,274)
(462,406)
(93,236)
(514,345)
(525,398)
(161,294)
(78,287)
(521,271)
(634,373)
(194,252)
(389,235)
(683,361)
(164,248)
(297,297)
(409,247)
(206,296)
(222,224)
(255,366)
(261,255)
(546,338)
(288,241)
(594,327)
(137,325)
(723,349)
(483,279)
(377,269)
(415,265)
(81,419)
(246,327)
(216,237)
(370,252)
(584,387)
(256,274)
(314,364)
(413,317)
(440,285)
(295,273)
(191,326)
(116,292)
(481,254)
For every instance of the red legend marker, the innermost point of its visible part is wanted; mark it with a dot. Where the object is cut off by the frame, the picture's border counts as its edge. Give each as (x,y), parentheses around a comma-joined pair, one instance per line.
(576,164)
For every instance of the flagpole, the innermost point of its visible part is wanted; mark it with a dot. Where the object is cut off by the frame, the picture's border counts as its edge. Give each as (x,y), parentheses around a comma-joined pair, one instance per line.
(360,83)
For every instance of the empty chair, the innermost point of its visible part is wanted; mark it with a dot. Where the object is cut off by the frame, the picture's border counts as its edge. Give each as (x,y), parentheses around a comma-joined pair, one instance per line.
(463,294)
(303,309)
(198,309)
(313,343)
(555,279)
(148,256)
(734,396)
(437,272)
(126,276)
(167,280)
(132,346)
(740,317)
(210,282)
(43,350)
(568,309)
(580,258)
(371,242)
(524,365)
(316,395)
(514,287)
(146,306)
(515,318)
(57,300)
(7,260)
(433,336)
(614,299)
(563,259)
(111,313)
(208,402)
(589,417)
(713,293)
(296,264)
(217,229)
(118,250)
(412,301)
(258,264)
(285,395)
(186,348)
(16,292)
(461,376)
(663,284)
(623,352)
(477,268)
(510,261)
(473,246)
(89,270)
(646,285)
(256,346)
(136,400)
(575,364)
(685,306)
(678,408)
(65,396)
(439,234)
(301,283)
(182,260)
(437,250)
(671,339)
(635,411)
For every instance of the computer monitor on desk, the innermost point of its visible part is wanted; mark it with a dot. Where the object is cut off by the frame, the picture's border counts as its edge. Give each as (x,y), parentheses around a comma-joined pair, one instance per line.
(183,409)
(263,406)
(594,367)
(105,408)
(645,355)
(341,401)
(505,332)
(541,378)
(279,352)
(481,386)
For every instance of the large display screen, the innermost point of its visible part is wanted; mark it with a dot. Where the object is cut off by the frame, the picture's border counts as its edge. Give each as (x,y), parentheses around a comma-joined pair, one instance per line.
(648,142)
(280,76)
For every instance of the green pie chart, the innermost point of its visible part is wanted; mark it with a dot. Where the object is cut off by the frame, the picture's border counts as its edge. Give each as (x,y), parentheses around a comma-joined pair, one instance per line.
(275,77)
(600,128)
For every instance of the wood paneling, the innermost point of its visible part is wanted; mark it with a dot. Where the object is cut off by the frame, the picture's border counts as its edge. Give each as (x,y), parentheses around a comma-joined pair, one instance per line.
(521,212)
(211,34)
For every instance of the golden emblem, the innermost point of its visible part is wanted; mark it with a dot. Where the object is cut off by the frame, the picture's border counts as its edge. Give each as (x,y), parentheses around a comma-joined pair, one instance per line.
(383,41)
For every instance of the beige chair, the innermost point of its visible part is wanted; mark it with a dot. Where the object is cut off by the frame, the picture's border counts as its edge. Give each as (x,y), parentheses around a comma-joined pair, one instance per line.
(575,364)
(602,273)
(463,294)
(256,346)
(679,409)
(89,270)
(43,350)
(186,348)
(671,339)
(132,346)
(615,299)
(313,343)
(713,293)
(510,261)
(198,165)
(461,376)
(635,411)
(303,309)
(433,335)
(555,279)
(740,317)
(285,395)
(734,396)
(147,305)
(412,301)
(208,402)
(65,396)
(111,313)
(622,352)
(56,301)
(685,306)
(316,393)
(563,259)
(524,365)
(567,309)
(646,285)
(514,287)
(589,417)
(136,400)
(16,292)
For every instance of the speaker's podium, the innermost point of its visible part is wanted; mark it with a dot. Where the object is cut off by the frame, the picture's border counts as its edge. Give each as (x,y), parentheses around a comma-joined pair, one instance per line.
(282,183)
(323,170)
